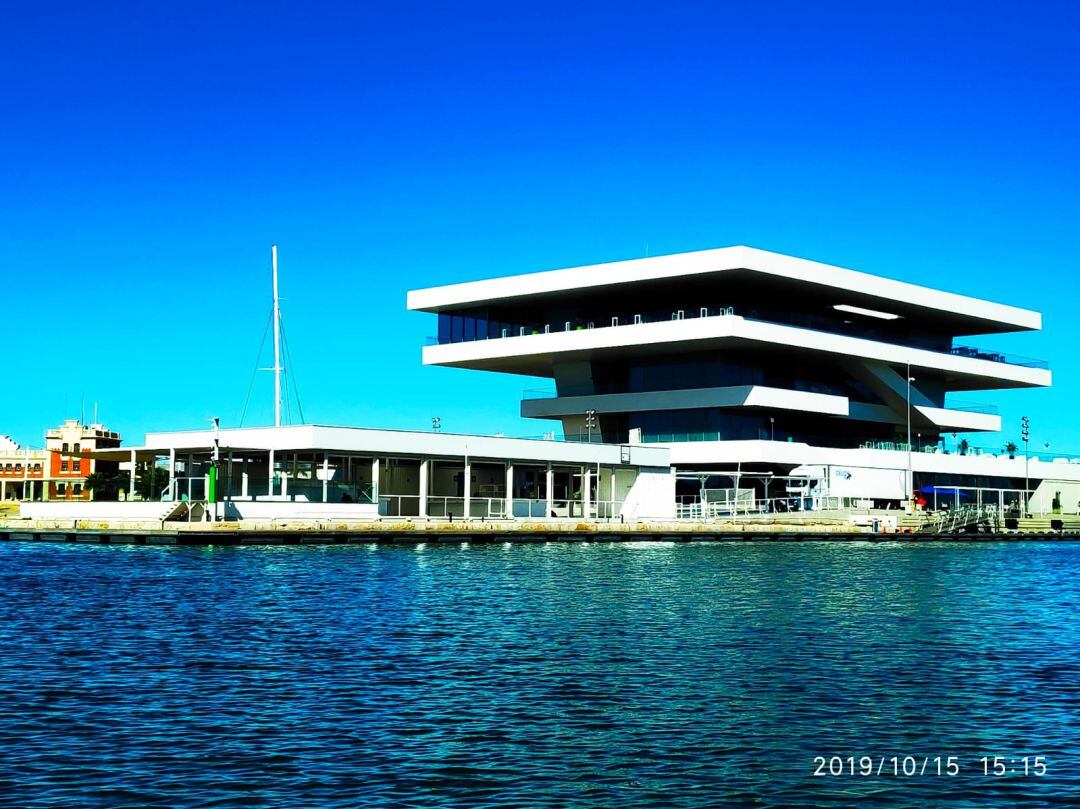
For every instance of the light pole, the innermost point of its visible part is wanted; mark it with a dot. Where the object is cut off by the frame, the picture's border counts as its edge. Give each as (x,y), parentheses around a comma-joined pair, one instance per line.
(436,423)
(772,428)
(910,474)
(590,422)
(1025,433)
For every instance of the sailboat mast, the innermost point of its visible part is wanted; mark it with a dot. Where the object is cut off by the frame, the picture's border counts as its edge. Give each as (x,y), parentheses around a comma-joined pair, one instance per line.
(277,342)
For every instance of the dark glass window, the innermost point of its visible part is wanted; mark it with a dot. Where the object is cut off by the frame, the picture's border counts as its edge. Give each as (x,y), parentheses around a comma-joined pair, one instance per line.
(457,328)
(444,327)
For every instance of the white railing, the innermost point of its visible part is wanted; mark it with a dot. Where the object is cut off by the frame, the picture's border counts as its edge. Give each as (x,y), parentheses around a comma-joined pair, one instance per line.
(496,508)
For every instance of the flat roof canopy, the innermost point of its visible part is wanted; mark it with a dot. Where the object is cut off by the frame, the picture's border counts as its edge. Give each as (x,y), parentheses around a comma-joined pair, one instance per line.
(389,443)
(782,275)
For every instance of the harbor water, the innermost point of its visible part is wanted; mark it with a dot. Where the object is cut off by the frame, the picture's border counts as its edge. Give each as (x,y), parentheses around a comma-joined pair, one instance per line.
(545,675)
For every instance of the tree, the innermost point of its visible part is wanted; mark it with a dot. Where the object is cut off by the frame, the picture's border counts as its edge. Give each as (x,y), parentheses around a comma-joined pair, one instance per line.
(1010,448)
(963,446)
(104,485)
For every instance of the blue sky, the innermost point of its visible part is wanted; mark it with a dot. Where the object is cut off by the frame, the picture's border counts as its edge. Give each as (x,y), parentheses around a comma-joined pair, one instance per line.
(152,152)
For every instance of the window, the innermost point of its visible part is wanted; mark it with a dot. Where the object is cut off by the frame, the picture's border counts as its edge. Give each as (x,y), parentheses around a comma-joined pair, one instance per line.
(63,466)
(76,448)
(7,468)
(64,447)
(76,465)
(61,489)
(76,489)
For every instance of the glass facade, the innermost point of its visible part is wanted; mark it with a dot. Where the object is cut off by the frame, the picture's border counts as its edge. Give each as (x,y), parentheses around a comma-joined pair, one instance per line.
(487,324)
(715,424)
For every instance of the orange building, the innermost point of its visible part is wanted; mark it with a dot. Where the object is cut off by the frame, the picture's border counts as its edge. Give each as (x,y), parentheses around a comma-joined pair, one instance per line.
(56,472)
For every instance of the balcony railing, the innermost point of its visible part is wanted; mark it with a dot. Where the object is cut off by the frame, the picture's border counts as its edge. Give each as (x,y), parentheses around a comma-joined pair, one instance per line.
(997,356)
(489,330)
(970,407)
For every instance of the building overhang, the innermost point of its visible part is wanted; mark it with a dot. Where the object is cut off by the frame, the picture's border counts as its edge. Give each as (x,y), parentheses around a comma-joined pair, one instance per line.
(537,354)
(743,396)
(387,443)
(730,454)
(772,271)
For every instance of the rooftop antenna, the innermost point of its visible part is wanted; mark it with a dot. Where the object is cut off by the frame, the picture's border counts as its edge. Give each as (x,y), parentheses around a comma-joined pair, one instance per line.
(277,341)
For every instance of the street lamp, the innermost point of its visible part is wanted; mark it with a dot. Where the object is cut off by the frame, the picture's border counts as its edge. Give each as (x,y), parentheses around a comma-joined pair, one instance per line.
(772,428)
(1025,433)
(910,474)
(436,423)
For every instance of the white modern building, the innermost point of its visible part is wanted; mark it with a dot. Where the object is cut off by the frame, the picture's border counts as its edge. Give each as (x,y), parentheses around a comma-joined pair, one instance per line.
(767,377)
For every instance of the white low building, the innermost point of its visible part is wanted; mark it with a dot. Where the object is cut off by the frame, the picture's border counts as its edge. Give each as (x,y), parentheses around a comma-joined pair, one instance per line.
(318,472)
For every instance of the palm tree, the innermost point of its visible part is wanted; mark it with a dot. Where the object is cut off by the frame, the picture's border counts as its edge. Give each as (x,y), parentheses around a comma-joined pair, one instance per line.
(104,485)
(963,446)
(1010,448)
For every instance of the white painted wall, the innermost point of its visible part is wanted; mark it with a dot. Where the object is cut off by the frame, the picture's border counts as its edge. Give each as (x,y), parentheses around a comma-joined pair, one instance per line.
(94,510)
(652,496)
(301,511)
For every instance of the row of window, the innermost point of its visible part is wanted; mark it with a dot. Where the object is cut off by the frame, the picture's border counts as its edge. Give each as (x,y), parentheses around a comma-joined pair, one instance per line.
(76,465)
(17,468)
(481,324)
(714,424)
(64,447)
(61,489)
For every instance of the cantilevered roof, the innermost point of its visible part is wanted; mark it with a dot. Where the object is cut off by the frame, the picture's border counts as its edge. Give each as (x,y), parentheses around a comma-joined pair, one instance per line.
(853,287)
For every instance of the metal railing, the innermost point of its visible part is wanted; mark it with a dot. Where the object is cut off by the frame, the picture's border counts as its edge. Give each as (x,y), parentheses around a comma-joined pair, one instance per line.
(689,507)
(497,508)
(998,356)
(798,320)
(970,407)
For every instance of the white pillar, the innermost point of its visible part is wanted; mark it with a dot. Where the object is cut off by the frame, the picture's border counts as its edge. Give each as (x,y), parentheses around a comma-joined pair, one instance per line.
(172,473)
(229,479)
(288,467)
(3,490)
(270,475)
(586,493)
(467,489)
(424,472)
(325,477)
(244,477)
(549,491)
(375,479)
(131,478)
(509,491)
(611,484)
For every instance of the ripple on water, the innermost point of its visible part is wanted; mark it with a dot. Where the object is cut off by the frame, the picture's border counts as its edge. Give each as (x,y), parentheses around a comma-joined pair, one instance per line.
(645,674)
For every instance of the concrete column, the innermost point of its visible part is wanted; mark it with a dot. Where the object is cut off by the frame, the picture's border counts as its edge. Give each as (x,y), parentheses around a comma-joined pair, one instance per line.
(270,475)
(172,473)
(509,490)
(229,478)
(467,489)
(613,488)
(549,491)
(131,478)
(424,472)
(244,477)
(586,491)
(375,479)
(285,477)
(3,490)
(325,477)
